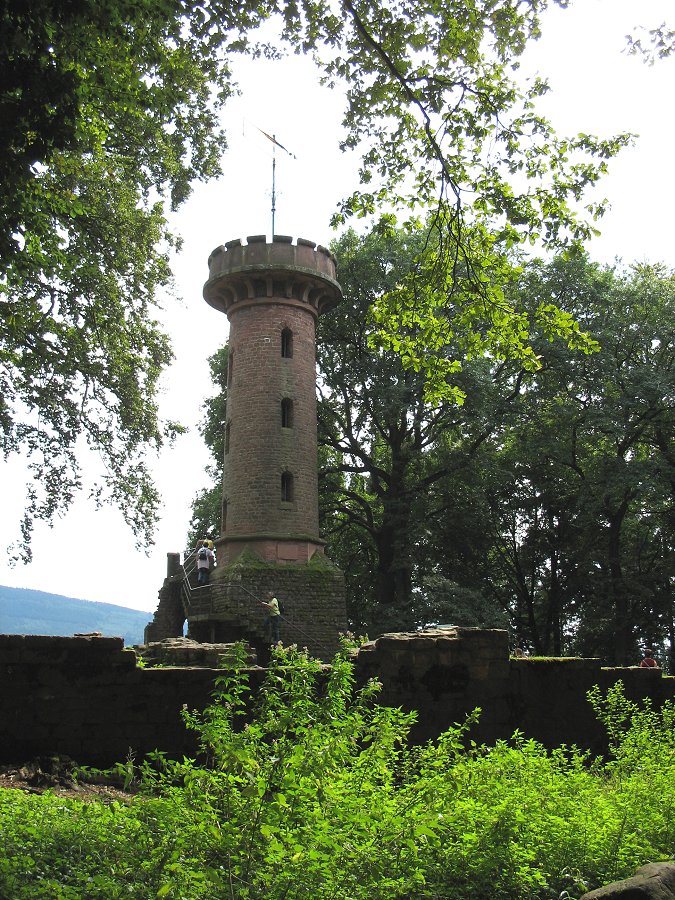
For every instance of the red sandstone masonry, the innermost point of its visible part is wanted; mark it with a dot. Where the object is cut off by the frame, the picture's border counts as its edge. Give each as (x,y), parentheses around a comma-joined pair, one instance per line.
(268,541)
(259,449)
(266,289)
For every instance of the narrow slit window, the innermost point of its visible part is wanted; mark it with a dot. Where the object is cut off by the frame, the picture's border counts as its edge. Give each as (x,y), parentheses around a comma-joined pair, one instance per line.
(286,413)
(230,366)
(287,343)
(224,516)
(227,438)
(286,487)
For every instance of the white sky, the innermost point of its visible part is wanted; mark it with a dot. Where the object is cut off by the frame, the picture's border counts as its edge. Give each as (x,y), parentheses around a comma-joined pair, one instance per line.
(596,88)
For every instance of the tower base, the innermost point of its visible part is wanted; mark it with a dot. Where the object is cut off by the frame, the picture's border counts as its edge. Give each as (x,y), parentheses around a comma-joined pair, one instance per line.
(312,595)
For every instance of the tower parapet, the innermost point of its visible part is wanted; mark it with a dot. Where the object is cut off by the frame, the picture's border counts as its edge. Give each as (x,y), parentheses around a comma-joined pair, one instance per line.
(301,273)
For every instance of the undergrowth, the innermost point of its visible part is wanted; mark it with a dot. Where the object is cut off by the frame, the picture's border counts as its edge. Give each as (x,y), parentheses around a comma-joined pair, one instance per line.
(317,794)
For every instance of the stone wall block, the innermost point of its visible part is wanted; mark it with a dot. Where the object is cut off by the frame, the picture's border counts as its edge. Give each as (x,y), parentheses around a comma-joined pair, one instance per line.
(11,650)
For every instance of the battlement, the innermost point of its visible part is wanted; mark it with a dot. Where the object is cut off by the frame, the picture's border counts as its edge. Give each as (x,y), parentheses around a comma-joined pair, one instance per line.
(301,272)
(254,242)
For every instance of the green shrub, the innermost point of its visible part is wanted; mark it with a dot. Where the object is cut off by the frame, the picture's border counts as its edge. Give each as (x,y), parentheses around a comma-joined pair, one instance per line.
(317,794)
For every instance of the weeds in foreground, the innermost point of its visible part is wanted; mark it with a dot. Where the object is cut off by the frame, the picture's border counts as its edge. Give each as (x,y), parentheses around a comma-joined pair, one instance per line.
(316,794)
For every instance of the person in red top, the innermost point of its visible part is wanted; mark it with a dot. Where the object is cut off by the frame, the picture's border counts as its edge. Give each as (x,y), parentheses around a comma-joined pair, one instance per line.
(649,662)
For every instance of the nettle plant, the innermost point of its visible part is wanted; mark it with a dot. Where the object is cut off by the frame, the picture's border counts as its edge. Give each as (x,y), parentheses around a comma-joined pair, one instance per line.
(300,780)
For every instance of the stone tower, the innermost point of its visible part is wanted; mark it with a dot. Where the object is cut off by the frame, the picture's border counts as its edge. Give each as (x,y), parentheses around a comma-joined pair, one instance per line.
(272,294)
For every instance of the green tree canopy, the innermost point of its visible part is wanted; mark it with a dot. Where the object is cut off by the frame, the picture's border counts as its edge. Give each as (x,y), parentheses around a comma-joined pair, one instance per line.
(547,494)
(110,109)
(106,109)
(385,446)
(572,499)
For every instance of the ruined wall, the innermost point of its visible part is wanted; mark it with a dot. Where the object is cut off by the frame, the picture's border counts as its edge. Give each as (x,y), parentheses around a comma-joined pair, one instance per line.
(86,698)
(229,608)
(446,673)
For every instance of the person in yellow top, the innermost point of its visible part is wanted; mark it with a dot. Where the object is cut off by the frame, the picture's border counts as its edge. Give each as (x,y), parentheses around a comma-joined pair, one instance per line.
(273,616)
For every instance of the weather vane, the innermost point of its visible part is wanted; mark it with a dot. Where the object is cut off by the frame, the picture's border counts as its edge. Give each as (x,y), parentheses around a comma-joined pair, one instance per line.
(275,144)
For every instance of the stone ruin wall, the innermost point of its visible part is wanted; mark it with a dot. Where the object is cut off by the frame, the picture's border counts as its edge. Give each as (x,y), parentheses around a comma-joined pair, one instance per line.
(229,610)
(86,697)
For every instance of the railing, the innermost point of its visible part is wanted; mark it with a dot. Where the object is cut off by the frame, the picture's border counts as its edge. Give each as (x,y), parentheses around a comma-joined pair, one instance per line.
(189,566)
(188,592)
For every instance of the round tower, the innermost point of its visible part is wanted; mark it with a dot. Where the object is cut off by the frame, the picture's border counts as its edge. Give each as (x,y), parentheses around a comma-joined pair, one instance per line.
(272,294)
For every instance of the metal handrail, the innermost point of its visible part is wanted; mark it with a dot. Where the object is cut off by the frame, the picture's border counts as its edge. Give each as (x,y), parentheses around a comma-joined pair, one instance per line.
(189,565)
(187,590)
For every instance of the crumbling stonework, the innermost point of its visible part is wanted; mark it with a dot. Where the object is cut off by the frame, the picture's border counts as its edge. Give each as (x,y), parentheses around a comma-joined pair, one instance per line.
(312,595)
(171,611)
(86,697)
(183,652)
(444,674)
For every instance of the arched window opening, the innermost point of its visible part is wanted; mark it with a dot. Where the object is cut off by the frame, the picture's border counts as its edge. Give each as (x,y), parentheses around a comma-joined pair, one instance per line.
(227,438)
(286,413)
(230,366)
(224,515)
(286,487)
(287,343)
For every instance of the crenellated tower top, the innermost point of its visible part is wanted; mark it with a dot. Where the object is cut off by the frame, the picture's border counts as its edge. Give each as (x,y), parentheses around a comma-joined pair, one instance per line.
(296,273)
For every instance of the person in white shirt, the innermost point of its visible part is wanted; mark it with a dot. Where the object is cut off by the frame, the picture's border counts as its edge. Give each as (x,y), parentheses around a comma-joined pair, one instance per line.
(205,560)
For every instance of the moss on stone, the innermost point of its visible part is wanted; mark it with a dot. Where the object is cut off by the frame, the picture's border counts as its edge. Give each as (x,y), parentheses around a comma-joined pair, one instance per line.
(248,560)
(323,563)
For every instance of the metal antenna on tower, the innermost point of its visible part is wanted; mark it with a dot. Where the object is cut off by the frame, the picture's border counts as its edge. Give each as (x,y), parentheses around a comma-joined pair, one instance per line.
(275,144)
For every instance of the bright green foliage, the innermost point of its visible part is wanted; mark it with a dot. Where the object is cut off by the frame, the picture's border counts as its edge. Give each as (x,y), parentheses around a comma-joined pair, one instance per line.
(135,86)
(81,354)
(443,314)
(317,795)
(577,495)
(433,95)
(108,109)
(545,495)
(444,126)
(385,445)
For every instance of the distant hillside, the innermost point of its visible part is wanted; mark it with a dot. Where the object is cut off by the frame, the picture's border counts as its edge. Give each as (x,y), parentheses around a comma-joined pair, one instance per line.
(23,611)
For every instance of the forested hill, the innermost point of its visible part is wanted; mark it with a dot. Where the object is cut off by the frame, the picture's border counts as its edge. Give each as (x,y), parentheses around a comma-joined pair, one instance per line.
(24,611)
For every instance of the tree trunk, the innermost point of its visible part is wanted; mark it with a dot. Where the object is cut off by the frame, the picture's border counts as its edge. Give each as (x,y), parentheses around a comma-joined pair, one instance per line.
(618,593)
(394,569)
